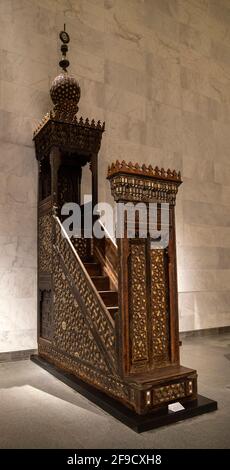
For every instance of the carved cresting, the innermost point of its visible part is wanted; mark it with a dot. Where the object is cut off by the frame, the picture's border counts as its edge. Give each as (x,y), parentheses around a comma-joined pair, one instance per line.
(77,134)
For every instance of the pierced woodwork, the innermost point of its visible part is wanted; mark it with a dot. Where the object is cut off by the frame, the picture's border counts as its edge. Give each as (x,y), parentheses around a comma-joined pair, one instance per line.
(138,304)
(75,136)
(45,243)
(46,326)
(160,307)
(81,245)
(93,306)
(74,334)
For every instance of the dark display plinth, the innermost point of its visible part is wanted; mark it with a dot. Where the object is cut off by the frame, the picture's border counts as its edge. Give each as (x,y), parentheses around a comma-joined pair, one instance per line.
(138,423)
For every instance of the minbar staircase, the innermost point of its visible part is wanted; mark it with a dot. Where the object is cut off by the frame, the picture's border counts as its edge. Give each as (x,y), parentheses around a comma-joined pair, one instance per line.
(90,270)
(103,284)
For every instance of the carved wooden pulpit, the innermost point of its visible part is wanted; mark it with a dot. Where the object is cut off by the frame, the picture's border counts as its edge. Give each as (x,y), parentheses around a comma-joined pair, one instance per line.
(108,311)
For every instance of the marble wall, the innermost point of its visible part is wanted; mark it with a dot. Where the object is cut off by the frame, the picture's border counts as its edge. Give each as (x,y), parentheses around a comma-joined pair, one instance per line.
(158,73)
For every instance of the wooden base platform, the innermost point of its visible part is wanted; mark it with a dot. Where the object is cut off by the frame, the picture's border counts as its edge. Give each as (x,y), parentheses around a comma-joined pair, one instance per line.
(138,423)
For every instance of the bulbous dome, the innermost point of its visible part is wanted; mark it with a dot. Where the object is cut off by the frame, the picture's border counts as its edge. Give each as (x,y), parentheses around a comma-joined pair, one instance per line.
(65,93)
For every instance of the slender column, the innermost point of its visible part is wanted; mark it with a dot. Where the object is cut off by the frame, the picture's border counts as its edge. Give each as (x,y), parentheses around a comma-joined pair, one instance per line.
(122,321)
(94,170)
(174,330)
(55,161)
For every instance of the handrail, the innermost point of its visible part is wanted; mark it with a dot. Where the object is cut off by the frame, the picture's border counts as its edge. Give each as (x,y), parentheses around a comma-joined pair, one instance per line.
(108,234)
(103,323)
(106,251)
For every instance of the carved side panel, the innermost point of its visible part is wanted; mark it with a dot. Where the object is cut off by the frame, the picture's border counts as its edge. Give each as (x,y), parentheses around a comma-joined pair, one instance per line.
(137,303)
(46,314)
(160,307)
(93,308)
(73,334)
(111,384)
(45,243)
(168,393)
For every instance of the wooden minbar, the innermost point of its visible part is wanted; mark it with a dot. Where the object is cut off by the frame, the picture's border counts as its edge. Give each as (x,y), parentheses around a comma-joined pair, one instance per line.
(108,310)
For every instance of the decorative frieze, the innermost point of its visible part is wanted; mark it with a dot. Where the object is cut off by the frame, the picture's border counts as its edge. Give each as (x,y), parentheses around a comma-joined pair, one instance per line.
(143,184)
(75,136)
(168,393)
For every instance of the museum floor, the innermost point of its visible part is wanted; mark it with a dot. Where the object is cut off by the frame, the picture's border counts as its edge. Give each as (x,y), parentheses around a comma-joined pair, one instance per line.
(38,411)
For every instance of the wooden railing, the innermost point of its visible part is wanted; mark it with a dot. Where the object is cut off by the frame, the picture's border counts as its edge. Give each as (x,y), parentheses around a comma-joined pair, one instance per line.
(105,250)
(95,312)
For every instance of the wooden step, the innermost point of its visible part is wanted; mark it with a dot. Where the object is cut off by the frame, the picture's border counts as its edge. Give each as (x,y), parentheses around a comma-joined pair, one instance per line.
(101,282)
(88,259)
(94,269)
(113,311)
(109,297)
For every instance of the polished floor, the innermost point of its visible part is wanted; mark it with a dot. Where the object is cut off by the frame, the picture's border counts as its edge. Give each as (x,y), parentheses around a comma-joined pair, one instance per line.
(38,411)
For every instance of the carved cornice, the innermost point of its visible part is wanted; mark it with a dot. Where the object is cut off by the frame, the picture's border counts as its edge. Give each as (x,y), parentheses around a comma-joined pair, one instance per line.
(143,170)
(56,116)
(69,135)
(137,183)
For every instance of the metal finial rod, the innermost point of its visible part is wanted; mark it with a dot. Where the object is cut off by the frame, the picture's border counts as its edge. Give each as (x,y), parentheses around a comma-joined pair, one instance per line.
(64,63)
